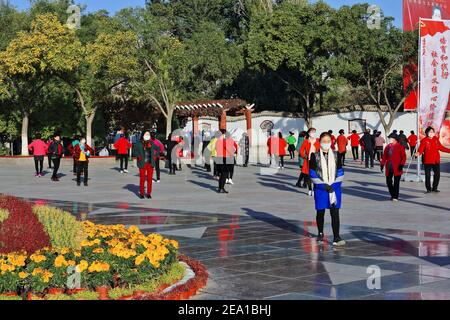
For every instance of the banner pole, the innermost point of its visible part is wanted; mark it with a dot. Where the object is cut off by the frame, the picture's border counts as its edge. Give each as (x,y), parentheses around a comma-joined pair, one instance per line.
(418,100)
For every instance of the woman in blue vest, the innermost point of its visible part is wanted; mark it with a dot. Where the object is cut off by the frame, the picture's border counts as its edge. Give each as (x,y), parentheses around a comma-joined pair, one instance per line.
(326,173)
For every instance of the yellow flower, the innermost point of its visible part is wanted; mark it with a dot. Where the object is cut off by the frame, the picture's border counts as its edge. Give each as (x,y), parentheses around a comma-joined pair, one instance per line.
(38,258)
(139,259)
(83,265)
(46,276)
(98,250)
(77,254)
(23,275)
(60,261)
(37,271)
(71,263)
(65,250)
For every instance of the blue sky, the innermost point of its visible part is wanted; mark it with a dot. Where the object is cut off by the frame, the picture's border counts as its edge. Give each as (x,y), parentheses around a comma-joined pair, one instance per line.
(390,7)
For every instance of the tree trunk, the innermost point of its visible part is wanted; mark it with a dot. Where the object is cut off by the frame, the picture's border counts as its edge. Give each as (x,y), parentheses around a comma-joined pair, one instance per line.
(89,120)
(25,120)
(169,121)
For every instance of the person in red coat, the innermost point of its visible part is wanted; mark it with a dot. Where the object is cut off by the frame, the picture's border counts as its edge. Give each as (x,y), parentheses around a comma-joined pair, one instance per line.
(310,145)
(430,147)
(226,149)
(412,141)
(279,149)
(270,142)
(393,161)
(354,143)
(123,146)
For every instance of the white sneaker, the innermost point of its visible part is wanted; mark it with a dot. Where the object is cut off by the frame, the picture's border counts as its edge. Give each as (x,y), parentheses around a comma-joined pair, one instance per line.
(230,181)
(126,171)
(121,171)
(158,181)
(227,181)
(310,193)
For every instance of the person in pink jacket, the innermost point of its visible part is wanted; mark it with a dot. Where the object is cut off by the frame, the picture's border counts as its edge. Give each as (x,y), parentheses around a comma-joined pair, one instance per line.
(39,150)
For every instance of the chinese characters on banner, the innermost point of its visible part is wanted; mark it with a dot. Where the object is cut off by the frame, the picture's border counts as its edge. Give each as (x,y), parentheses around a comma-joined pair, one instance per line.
(434,72)
(413,10)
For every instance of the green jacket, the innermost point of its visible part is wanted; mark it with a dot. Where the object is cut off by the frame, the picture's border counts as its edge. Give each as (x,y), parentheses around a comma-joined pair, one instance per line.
(139,152)
(291,140)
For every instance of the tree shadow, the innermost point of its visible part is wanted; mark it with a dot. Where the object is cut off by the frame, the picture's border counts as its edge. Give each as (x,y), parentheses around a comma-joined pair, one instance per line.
(276,222)
(398,244)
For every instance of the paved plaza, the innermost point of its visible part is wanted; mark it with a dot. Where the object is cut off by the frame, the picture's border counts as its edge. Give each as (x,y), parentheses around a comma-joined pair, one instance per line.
(258,242)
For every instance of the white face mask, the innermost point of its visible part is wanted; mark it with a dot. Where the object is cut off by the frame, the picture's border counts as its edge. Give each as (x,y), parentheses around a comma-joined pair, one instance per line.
(325,146)
(146,138)
(83,141)
(312,135)
(431,135)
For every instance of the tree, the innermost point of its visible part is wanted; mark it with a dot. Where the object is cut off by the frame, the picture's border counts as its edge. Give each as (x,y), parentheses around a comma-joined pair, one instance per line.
(30,59)
(374,59)
(296,42)
(104,65)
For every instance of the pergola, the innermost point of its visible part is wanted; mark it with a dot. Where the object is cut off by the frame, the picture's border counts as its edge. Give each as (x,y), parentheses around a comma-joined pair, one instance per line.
(215,108)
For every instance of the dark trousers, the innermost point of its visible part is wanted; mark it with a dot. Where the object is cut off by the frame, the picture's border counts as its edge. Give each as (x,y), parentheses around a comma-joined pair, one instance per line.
(393,183)
(308,182)
(157,169)
(369,156)
(412,150)
(215,168)
(282,161)
(49,158)
(292,153)
(223,174)
(335,223)
(437,175)
(56,163)
(172,166)
(123,160)
(341,156)
(245,159)
(301,178)
(38,164)
(355,151)
(82,166)
(379,153)
(74,170)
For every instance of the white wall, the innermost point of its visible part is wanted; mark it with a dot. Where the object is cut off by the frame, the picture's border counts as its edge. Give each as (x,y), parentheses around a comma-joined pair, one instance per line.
(405,121)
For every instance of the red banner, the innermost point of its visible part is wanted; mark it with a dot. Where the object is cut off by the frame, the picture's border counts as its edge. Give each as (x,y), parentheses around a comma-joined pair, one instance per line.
(413,10)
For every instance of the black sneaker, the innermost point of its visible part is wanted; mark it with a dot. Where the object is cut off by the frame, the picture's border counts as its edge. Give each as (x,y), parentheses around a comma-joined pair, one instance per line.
(320,237)
(223,191)
(436,191)
(141,196)
(338,242)
(148,196)
(78,184)
(428,191)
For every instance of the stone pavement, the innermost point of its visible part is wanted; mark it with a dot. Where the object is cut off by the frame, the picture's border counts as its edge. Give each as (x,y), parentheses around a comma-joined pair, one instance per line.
(258,242)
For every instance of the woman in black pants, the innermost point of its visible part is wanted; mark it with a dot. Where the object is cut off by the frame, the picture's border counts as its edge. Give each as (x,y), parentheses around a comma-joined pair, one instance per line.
(56,151)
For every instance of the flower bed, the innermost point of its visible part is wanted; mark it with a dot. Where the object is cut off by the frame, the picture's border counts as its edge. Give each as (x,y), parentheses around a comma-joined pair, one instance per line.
(115,261)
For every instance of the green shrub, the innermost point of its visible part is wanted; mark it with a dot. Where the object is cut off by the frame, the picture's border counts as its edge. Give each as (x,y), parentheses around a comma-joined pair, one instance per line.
(175,273)
(4,214)
(86,295)
(58,297)
(63,228)
(4,298)
(116,293)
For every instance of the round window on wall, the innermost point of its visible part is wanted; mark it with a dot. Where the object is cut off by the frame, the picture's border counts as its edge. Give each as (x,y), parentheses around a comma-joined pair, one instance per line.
(267,126)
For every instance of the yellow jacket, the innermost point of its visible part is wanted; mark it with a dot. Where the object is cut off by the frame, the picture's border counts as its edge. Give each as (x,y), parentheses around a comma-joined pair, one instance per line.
(212,147)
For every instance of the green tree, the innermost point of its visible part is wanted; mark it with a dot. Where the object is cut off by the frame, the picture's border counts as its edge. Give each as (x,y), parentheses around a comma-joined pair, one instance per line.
(30,59)
(373,59)
(296,42)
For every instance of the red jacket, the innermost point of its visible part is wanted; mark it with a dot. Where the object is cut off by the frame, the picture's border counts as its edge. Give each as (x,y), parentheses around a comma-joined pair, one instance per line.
(38,147)
(412,140)
(226,148)
(395,155)
(342,143)
(269,145)
(430,149)
(305,150)
(278,146)
(333,142)
(77,151)
(122,145)
(354,140)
